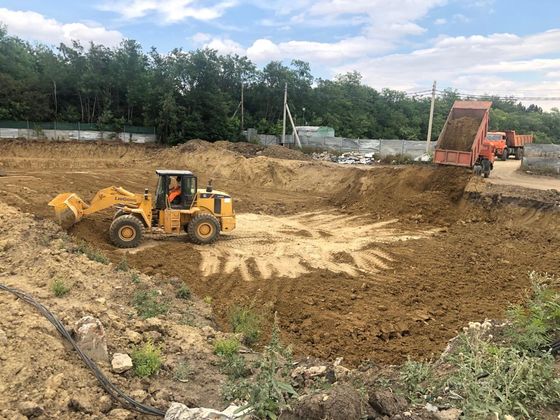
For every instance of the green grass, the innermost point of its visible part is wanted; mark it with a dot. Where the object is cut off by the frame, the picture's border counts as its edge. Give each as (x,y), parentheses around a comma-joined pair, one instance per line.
(122,265)
(227,347)
(184,292)
(535,323)
(182,372)
(149,304)
(243,320)
(92,253)
(59,287)
(146,360)
(135,278)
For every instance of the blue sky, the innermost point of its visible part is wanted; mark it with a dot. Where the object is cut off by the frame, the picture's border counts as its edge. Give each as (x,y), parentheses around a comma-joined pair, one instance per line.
(477,46)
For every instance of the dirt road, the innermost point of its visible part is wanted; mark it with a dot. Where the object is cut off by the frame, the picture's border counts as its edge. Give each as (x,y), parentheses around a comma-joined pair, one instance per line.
(508,173)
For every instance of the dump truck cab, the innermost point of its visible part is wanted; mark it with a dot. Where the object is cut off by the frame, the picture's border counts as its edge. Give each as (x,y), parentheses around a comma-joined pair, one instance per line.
(498,140)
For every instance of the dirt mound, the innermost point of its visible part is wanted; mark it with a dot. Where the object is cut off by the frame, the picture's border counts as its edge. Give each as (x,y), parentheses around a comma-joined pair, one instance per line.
(243,148)
(460,133)
(281,152)
(36,365)
(427,194)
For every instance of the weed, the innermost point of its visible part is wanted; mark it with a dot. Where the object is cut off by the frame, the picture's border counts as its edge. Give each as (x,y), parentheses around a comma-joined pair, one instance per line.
(414,376)
(122,265)
(232,363)
(243,320)
(135,278)
(227,347)
(146,360)
(492,379)
(207,300)
(59,287)
(270,390)
(148,304)
(534,324)
(92,253)
(182,372)
(184,292)
(234,366)
(188,318)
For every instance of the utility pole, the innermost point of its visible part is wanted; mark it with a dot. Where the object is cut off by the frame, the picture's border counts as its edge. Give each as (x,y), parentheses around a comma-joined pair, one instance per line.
(242,109)
(429,138)
(284,118)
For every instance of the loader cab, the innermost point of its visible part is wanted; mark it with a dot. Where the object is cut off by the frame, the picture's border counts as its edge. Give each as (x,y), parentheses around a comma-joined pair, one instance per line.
(185,180)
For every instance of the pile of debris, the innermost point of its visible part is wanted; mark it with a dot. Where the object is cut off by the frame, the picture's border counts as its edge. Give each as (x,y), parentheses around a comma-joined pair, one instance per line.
(347,158)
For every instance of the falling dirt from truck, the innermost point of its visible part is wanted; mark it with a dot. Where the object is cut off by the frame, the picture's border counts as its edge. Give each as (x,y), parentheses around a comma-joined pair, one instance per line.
(459,134)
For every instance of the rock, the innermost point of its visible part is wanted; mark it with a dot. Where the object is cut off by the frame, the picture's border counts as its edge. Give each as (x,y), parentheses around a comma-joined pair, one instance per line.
(52,384)
(309,372)
(340,372)
(90,336)
(208,332)
(386,403)
(341,402)
(105,403)
(179,411)
(81,403)
(139,395)
(3,337)
(133,336)
(30,409)
(121,362)
(431,408)
(451,414)
(119,414)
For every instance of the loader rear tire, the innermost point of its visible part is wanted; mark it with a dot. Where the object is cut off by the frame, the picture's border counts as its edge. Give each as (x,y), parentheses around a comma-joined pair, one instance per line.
(126,231)
(204,229)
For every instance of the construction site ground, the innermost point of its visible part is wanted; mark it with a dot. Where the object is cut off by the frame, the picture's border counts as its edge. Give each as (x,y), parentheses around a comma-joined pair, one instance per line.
(367,263)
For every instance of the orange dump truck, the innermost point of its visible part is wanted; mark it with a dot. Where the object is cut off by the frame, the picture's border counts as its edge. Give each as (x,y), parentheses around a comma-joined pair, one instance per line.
(462,141)
(508,143)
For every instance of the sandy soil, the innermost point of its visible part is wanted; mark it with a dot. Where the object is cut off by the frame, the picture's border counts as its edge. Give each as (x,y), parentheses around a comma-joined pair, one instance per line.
(371,264)
(508,173)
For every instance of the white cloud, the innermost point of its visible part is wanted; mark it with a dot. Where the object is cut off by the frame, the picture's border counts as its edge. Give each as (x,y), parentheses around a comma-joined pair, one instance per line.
(222,45)
(475,64)
(440,21)
(170,11)
(34,26)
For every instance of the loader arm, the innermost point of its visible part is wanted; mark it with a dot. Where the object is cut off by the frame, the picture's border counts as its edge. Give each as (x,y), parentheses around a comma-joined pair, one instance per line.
(69,208)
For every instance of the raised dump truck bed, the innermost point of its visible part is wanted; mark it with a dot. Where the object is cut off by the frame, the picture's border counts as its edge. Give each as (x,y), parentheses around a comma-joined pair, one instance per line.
(462,140)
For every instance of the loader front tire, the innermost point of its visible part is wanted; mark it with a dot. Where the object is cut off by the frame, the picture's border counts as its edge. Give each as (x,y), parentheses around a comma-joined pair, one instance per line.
(204,229)
(126,231)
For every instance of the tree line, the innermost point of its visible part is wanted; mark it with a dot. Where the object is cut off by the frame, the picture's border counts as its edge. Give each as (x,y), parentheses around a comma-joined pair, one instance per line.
(196,94)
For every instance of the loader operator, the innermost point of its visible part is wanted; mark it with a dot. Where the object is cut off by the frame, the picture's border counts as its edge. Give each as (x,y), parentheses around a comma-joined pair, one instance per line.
(175,190)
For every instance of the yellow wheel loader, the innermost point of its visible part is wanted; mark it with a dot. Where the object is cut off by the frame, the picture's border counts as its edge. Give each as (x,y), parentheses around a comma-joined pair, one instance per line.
(178,206)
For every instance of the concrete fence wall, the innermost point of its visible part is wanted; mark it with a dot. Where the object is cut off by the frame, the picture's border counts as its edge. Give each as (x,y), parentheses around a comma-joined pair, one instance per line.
(77,135)
(542,157)
(379,147)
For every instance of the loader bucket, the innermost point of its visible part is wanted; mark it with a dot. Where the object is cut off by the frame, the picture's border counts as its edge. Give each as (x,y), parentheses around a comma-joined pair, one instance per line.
(68,209)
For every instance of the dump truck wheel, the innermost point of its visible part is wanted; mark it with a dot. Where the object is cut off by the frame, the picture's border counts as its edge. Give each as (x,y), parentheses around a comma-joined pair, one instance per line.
(204,229)
(477,170)
(126,231)
(505,155)
(486,168)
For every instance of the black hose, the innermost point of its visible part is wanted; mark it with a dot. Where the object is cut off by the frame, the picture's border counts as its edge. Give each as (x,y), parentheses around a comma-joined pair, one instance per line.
(111,389)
